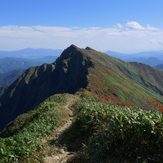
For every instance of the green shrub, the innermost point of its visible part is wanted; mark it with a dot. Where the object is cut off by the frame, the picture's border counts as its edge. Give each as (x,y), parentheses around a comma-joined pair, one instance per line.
(113,133)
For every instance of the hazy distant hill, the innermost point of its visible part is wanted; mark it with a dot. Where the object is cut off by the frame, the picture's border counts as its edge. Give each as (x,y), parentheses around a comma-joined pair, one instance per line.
(152,61)
(151,58)
(11,63)
(117,55)
(30,53)
(160,66)
(108,78)
(157,54)
(46,59)
(6,79)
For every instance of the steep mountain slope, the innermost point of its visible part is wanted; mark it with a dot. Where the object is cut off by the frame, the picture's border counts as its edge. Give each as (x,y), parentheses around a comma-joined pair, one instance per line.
(124,83)
(3,89)
(106,77)
(67,74)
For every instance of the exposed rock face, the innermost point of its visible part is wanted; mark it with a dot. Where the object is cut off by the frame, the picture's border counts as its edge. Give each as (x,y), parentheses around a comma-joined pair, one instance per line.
(67,75)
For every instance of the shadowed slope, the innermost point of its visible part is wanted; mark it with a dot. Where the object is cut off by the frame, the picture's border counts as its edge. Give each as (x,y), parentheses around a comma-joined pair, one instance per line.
(67,75)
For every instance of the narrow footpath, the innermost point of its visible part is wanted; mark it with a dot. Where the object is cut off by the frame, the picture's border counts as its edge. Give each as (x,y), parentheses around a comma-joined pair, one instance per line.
(62,156)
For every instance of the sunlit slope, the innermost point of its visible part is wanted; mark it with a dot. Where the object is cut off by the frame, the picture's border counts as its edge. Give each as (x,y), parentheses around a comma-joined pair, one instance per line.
(124,83)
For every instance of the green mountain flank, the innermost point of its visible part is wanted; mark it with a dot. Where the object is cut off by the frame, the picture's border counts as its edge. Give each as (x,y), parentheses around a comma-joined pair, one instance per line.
(117,107)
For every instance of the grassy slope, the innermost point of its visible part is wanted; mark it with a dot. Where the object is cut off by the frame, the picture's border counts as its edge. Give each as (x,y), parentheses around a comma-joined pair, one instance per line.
(109,133)
(21,139)
(126,84)
(101,132)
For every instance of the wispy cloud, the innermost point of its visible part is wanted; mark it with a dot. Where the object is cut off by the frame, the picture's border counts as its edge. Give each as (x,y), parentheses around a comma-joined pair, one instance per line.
(130,37)
(157,41)
(136,25)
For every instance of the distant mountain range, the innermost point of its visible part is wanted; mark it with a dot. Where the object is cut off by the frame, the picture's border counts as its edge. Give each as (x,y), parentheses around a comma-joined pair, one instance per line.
(11,63)
(30,53)
(39,56)
(6,79)
(152,58)
(145,54)
(152,61)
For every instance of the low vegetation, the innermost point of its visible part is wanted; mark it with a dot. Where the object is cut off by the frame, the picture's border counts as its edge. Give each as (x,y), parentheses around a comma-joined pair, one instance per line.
(21,139)
(108,133)
(101,132)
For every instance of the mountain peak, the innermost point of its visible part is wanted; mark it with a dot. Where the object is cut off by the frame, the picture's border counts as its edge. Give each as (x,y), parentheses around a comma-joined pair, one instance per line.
(72,47)
(88,48)
(69,49)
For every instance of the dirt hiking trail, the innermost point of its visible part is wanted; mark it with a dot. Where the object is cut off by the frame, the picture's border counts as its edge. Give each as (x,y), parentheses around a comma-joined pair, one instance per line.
(62,156)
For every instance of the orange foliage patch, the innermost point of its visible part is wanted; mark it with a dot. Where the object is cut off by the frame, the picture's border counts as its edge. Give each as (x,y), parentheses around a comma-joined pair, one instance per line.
(160,109)
(86,93)
(156,103)
(109,99)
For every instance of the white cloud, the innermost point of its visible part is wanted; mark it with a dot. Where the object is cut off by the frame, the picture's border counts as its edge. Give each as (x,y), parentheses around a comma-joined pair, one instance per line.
(157,41)
(119,25)
(149,27)
(131,37)
(134,25)
(113,34)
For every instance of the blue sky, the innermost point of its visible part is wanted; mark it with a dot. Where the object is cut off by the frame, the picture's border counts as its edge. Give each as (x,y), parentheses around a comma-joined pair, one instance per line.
(126,26)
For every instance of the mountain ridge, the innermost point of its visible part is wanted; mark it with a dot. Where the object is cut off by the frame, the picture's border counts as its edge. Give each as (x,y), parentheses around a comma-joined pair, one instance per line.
(38,83)
(108,78)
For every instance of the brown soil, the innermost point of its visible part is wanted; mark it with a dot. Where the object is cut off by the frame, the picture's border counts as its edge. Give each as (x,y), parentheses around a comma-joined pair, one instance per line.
(62,155)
